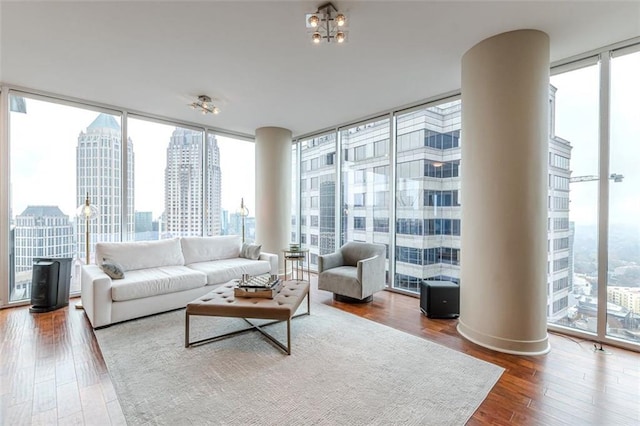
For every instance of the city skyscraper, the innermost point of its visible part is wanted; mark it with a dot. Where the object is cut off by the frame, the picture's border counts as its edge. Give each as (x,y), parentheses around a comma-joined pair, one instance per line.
(98,175)
(40,231)
(560,237)
(192,204)
(144,227)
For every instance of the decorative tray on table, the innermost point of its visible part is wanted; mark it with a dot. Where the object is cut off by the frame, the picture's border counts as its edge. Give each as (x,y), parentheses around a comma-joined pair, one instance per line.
(264,286)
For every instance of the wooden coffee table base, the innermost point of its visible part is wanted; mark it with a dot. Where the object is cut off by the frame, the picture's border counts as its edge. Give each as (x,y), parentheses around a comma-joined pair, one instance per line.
(222,303)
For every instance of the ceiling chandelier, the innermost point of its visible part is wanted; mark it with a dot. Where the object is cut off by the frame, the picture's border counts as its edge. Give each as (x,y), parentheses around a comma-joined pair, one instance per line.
(327,23)
(205,105)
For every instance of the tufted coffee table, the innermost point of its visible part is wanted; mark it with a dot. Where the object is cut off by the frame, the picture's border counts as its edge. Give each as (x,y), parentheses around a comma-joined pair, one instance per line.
(221,302)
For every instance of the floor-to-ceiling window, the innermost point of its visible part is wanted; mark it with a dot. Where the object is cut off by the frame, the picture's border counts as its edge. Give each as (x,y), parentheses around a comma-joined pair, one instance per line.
(295,194)
(424,239)
(427,195)
(163,180)
(594,256)
(184,187)
(623,285)
(365,193)
(59,155)
(573,201)
(231,172)
(171,197)
(150,146)
(318,195)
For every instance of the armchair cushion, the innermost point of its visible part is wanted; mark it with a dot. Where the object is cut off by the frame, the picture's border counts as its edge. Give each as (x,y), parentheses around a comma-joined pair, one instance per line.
(353,251)
(329,261)
(342,280)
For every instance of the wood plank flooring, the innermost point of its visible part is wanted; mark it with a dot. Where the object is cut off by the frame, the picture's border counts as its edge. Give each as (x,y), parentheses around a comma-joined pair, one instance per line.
(52,371)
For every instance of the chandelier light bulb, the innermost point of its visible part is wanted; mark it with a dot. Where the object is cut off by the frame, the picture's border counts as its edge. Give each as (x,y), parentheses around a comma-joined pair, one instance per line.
(316,37)
(340,37)
(340,19)
(314,20)
(216,110)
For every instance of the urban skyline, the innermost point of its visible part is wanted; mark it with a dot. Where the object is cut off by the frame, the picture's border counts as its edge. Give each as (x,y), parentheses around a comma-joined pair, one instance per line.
(45,231)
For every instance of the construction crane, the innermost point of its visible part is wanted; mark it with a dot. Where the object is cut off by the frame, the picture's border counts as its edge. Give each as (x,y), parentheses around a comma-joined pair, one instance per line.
(614,177)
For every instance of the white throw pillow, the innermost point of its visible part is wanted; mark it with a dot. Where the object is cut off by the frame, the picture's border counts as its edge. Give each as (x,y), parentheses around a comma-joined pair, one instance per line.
(112,269)
(250,251)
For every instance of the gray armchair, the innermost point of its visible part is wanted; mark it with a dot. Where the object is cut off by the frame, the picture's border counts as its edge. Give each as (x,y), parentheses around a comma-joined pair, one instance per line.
(354,272)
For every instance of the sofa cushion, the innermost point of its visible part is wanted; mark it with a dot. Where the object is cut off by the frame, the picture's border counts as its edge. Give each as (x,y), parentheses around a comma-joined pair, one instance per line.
(141,283)
(141,254)
(222,271)
(203,249)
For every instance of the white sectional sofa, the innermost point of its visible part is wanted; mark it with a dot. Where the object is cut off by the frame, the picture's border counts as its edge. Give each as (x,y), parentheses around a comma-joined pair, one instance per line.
(163,275)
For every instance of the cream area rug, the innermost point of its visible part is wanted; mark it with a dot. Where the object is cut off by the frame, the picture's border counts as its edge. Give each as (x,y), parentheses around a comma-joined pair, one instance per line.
(343,370)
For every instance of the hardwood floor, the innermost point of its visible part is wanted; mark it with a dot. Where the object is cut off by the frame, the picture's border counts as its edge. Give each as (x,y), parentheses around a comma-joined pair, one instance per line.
(52,371)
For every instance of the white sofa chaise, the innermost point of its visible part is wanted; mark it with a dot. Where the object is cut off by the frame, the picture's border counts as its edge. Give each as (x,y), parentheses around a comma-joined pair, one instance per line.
(163,275)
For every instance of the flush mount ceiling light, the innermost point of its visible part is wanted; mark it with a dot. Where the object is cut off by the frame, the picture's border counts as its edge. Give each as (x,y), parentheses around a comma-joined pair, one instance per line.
(327,23)
(205,105)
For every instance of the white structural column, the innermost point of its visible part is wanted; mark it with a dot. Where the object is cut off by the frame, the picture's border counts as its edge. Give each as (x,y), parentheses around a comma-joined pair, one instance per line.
(273,190)
(505,93)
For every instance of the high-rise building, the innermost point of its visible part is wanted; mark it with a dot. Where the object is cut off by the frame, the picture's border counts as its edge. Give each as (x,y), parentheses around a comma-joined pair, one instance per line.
(144,227)
(318,189)
(98,176)
(40,231)
(326,223)
(560,233)
(192,204)
(626,297)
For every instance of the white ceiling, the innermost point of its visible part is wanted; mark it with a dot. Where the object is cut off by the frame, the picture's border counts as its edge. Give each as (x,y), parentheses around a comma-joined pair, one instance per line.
(155,57)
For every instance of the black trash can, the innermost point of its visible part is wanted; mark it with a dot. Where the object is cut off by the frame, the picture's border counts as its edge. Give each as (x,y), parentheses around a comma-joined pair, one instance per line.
(50,282)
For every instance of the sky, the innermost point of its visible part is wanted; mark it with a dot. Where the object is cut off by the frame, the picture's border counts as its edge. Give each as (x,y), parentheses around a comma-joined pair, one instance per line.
(150,141)
(43,160)
(43,143)
(577,121)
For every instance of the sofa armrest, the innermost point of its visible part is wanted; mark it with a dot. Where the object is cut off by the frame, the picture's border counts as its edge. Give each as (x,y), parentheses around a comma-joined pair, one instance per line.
(95,287)
(273,261)
(371,274)
(329,261)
